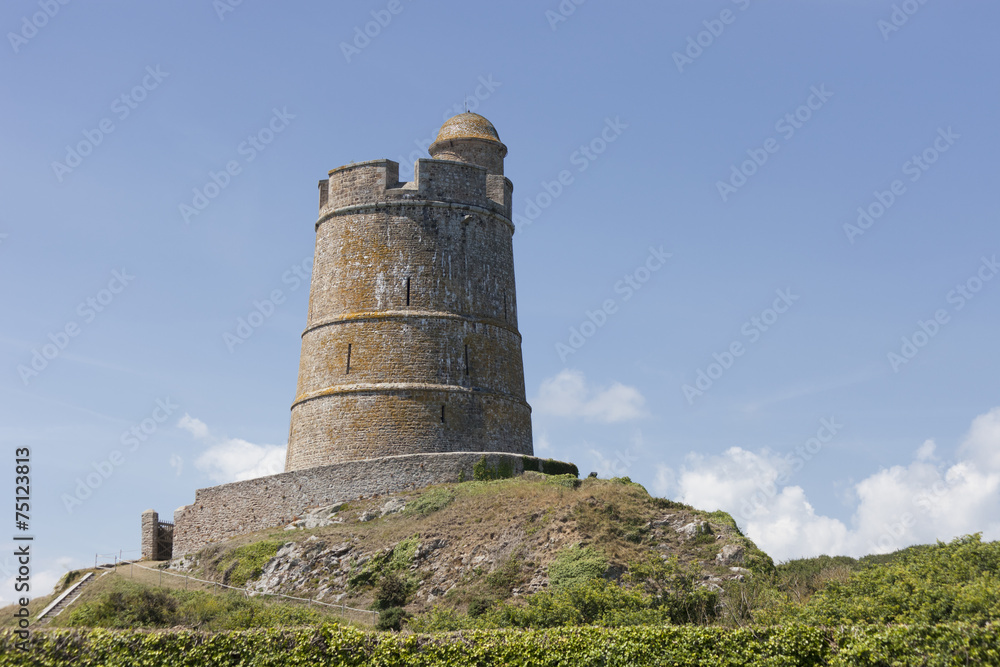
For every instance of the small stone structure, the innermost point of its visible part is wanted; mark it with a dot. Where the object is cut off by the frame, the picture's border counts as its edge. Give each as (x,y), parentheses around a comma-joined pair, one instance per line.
(411,369)
(157,537)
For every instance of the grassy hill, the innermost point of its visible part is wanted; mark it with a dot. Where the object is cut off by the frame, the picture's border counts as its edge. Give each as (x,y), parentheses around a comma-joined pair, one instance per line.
(547,552)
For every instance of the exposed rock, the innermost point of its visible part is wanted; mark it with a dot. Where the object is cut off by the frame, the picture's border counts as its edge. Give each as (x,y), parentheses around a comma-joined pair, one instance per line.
(318,517)
(393,506)
(424,548)
(731,554)
(713,584)
(693,528)
(183,564)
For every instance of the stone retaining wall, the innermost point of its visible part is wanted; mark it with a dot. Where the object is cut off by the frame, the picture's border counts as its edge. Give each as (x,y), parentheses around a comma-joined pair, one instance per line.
(221,512)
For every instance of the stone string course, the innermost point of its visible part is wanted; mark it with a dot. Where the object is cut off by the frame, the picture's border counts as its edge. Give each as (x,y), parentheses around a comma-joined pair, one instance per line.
(224,511)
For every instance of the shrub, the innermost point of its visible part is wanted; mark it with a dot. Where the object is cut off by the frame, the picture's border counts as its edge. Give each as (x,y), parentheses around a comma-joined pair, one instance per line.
(676,587)
(503,579)
(576,565)
(397,559)
(392,590)
(958,581)
(392,619)
(127,605)
(480,605)
(552,467)
(245,563)
(482,471)
(593,602)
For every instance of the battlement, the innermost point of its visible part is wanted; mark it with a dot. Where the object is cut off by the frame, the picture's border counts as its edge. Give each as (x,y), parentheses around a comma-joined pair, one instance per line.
(377,182)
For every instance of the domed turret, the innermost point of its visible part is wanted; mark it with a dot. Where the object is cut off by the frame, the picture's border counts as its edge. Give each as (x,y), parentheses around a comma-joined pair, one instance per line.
(468,137)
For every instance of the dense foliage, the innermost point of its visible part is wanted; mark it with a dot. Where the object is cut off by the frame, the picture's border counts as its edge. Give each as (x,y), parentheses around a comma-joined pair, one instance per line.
(654,592)
(959,581)
(932,646)
(131,605)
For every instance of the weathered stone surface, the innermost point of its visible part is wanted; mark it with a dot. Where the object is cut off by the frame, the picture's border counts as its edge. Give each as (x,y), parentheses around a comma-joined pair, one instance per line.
(731,554)
(692,529)
(393,506)
(411,344)
(224,511)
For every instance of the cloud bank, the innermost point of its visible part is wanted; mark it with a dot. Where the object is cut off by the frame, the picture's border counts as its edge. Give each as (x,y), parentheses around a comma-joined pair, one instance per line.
(919,502)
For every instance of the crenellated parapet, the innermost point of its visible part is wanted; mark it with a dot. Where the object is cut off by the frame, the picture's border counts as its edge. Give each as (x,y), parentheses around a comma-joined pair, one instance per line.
(373,184)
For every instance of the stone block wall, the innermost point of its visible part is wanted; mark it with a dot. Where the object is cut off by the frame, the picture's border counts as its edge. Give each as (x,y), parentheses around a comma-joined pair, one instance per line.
(411,343)
(157,537)
(224,511)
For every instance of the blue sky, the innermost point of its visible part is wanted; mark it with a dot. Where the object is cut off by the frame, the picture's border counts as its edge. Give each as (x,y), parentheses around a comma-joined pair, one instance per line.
(738,137)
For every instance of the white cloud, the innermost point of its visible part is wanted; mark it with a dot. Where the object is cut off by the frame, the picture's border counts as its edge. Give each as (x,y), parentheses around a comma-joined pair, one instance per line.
(895,507)
(195,427)
(982,444)
(568,395)
(926,451)
(234,460)
(231,459)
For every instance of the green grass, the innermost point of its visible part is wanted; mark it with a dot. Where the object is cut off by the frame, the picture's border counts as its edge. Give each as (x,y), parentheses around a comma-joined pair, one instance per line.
(246,562)
(127,604)
(431,501)
(576,565)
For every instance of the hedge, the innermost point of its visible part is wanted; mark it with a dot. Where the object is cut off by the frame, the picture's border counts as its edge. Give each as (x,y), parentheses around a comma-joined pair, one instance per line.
(789,645)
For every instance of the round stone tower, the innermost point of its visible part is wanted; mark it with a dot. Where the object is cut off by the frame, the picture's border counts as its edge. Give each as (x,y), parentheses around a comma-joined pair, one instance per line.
(411,345)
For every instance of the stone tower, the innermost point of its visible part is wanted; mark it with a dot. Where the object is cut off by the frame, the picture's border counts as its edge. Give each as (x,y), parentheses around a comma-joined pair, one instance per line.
(411,345)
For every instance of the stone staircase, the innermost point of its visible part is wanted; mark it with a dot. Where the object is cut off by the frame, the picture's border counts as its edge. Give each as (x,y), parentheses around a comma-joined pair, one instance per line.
(68,597)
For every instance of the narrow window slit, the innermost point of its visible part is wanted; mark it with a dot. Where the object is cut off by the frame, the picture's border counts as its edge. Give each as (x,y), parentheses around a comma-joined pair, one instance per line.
(348,370)
(442,414)
(466,359)
(407,291)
